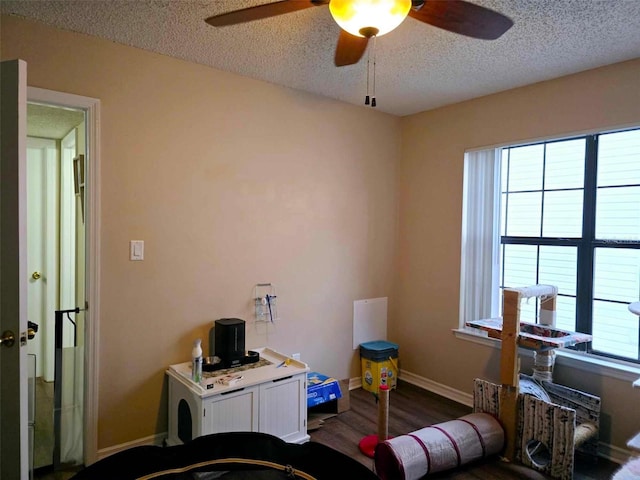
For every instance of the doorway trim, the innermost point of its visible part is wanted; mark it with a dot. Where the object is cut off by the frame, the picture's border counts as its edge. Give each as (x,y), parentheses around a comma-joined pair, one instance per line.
(92,220)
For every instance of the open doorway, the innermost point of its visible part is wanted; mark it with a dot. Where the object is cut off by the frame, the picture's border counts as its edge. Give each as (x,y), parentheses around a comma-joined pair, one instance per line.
(56,262)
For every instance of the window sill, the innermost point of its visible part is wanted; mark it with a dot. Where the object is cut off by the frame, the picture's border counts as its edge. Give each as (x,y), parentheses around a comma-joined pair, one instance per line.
(581,361)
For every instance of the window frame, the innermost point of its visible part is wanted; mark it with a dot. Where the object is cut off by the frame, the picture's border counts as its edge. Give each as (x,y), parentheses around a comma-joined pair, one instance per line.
(586,245)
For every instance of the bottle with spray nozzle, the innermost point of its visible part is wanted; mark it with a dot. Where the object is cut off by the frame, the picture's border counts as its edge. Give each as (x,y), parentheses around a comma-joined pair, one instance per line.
(196,361)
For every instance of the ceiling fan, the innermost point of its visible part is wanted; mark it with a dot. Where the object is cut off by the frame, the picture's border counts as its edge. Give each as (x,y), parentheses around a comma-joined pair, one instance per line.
(456,16)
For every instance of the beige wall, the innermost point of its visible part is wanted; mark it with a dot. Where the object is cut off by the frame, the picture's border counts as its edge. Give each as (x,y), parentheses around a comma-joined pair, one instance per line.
(230,182)
(430,175)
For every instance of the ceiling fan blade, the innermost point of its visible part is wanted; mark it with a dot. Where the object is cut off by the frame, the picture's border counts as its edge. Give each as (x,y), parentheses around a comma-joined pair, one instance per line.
(463,17)
(261,11)
(349,49)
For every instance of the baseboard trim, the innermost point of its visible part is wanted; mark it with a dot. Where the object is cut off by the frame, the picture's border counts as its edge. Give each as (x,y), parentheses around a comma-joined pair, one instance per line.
(355,383)
(437,388)
(613,453)
(157,439)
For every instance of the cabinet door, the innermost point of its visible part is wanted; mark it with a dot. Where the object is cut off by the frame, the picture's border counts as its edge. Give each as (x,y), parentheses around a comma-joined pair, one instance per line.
(235,411)
(283,408)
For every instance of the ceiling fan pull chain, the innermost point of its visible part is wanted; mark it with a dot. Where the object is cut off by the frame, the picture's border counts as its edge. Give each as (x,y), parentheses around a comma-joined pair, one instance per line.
(373,99)
(366,98)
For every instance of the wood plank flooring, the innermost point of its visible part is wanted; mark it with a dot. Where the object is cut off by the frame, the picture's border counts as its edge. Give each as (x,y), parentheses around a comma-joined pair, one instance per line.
(412,408)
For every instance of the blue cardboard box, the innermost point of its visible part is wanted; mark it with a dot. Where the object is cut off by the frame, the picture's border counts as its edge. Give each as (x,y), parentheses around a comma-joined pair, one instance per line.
(321,389)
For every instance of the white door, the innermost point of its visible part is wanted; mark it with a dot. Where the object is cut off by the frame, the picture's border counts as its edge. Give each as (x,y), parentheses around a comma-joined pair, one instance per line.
(42,248)
(13,272)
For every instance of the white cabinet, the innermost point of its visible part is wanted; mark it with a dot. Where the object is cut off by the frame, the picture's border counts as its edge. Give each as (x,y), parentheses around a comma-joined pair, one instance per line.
(271,398)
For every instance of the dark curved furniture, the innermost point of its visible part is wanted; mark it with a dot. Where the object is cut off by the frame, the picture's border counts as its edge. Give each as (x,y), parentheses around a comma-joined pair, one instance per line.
(229,456)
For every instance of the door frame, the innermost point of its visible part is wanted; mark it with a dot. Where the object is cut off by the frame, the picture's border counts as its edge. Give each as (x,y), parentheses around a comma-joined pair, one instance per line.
(92,222)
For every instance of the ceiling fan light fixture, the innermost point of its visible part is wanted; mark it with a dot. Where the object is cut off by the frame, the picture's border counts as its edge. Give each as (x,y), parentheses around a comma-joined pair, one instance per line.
(366,18)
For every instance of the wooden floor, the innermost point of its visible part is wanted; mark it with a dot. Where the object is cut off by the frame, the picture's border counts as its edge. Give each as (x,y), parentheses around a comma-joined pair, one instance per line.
(411,408)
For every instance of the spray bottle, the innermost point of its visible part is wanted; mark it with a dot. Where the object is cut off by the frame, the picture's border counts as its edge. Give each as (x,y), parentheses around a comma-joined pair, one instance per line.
(196,361)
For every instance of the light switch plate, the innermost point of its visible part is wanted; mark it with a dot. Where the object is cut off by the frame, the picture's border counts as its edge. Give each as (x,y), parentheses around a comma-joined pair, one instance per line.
(136,250)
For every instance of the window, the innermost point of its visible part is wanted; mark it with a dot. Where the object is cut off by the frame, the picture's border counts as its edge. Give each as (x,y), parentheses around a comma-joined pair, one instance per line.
(570,217)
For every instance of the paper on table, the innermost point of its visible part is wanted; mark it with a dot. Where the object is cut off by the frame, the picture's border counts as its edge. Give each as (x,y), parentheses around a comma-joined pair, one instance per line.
(230,379)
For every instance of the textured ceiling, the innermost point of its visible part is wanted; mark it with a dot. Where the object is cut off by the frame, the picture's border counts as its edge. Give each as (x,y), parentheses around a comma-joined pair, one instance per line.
(51,122)
(419,67)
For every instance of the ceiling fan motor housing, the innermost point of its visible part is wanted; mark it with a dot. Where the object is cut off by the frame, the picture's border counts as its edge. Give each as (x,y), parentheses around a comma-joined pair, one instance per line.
(368,18)
(368,32)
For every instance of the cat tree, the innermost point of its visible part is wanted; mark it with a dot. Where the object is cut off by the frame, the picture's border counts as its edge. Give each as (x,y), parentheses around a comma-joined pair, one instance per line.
(544,422)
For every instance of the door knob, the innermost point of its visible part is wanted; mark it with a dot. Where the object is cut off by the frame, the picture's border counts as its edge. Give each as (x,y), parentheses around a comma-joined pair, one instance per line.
(8,338)
(35,275)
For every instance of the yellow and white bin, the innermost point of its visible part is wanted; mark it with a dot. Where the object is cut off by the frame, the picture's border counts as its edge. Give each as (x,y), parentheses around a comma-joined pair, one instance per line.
(379,361)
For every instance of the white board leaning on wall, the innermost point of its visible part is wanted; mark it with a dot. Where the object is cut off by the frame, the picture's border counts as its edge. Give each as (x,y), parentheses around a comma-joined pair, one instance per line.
(369,320)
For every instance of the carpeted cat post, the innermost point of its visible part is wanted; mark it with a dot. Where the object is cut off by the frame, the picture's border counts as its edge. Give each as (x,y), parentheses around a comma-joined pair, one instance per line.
(368,444)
